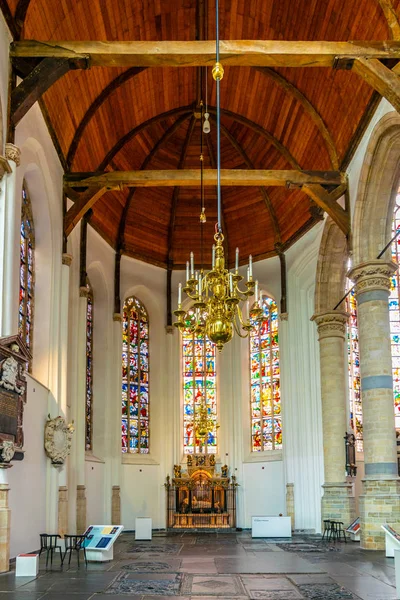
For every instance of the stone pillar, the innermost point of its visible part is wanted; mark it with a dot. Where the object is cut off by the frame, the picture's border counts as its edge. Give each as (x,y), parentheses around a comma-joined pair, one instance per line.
(338,501)
(5,521)
(115,506)
(12,224)
(63,510)
(80,508)
(290,503)
(380,498)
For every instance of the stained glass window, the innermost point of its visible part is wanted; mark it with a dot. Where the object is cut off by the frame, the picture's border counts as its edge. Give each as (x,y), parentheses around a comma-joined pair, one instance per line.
(353,356)
(135,378)
(89,370)
(394,315)
(199,392)
(265,393)
(27,271)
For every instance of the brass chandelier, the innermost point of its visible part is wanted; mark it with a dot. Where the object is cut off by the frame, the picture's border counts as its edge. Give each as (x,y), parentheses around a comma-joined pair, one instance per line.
(216,294)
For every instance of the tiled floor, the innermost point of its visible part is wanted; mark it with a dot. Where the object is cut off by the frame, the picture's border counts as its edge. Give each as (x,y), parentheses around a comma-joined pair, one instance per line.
(210,566)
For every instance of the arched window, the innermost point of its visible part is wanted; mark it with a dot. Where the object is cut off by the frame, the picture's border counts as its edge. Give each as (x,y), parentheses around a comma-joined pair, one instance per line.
(135,378)
(265,393)
(89,370)
(394,315)
(199,393)
(27,271)
(353,356)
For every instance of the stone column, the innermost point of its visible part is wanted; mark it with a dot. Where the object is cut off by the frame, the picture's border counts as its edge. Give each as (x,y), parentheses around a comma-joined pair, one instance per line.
(80,508)
(62,510)
(81,413)
(338,501)
(380,498)
(116,505)
(5,521)
(290,503)
(12,224)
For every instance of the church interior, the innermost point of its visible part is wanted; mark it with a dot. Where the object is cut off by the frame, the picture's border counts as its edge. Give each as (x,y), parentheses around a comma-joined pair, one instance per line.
(199,308)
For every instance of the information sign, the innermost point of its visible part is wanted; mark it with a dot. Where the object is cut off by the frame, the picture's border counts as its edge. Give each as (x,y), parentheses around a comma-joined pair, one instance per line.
(100,540)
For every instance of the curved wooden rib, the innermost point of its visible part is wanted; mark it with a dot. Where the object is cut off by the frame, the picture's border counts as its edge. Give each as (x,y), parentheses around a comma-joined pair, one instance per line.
(309,109)
(261,131)
(170,131)
(133,132)
(175,194)
(391,18)
(97,102)
(264,193)
(20,14)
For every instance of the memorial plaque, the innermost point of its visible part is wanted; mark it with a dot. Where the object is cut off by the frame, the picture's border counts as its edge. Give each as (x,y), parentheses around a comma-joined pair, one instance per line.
(14,356)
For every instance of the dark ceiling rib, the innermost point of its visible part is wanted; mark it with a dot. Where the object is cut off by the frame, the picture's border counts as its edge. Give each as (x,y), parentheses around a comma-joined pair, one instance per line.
(170,131)
(175,194)
(261,131)
(133,132)
(391,18)
(309,109)
(5,9)
(20,14)
(264,193)
(97,102)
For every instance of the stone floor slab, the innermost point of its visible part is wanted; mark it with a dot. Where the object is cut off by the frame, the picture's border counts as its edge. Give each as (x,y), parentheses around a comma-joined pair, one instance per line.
(271,562)
(213,585)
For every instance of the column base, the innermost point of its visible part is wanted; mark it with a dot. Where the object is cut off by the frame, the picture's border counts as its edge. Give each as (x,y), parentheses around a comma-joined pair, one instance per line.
(80,509)
(62,510)
(290,502)
(379,504)
(5,519)
(116,506)
(338,503)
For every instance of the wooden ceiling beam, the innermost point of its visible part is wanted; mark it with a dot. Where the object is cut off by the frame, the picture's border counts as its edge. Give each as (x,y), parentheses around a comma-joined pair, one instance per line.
(328,202)
(81,206)
(37,82)
(309,108)
(20,15)
(381,78)
(256,53)
(391,18)
(264,193)
(113,180)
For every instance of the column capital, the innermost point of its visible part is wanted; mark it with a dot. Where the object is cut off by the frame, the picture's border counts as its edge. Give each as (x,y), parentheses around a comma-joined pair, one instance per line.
(117,317)
(83,292)
(373,275)
(66,259)
(13,153)
(284,316)
(331,324)
(5,167)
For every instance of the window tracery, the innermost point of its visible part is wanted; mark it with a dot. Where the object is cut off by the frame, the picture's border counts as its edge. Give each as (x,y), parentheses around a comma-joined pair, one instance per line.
(353,357)
(135,378)
(265,393)
(27,272)
(199,391)
(394,314)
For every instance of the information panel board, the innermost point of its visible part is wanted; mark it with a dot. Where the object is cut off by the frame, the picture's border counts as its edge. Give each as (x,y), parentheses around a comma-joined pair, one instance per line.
(99,541)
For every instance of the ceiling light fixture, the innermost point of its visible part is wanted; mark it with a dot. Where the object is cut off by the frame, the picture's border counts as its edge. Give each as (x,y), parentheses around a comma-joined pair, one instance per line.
(216,294)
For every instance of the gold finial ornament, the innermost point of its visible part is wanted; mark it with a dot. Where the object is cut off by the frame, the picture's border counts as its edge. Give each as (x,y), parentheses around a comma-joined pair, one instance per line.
(218,71)
(203,217)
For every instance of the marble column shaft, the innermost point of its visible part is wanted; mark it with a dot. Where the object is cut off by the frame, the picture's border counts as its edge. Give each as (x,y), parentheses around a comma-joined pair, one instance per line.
(5,519)
(338,500)
(380,498)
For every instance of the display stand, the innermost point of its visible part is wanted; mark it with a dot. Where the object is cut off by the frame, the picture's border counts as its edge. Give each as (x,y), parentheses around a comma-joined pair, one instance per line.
(397,571)
(271,527)
(143,528)
(100,540)
(355,530)
(392,539)
(27,565)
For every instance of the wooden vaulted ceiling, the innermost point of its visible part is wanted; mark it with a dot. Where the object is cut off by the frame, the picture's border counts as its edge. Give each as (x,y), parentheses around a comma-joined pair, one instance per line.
(281,118)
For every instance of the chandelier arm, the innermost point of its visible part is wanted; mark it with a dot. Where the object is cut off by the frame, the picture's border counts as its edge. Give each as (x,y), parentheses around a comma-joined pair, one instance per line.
(238,331)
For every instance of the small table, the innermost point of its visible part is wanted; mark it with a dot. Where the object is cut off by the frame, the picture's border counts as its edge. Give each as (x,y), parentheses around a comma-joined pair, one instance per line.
(143,528)
(27,565)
